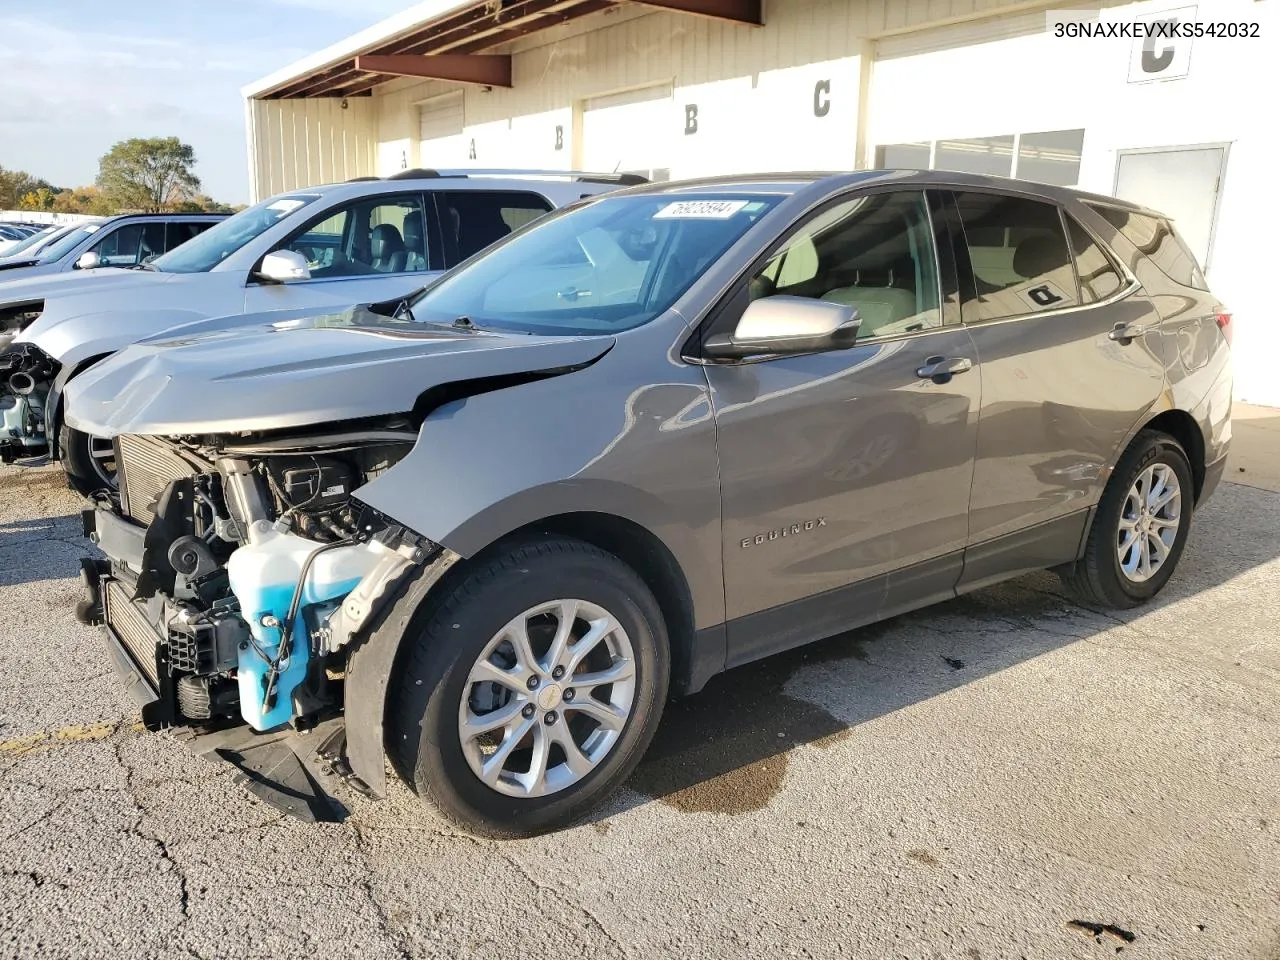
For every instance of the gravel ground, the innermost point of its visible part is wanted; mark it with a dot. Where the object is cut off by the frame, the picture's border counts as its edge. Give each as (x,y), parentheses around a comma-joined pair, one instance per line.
(1005,775)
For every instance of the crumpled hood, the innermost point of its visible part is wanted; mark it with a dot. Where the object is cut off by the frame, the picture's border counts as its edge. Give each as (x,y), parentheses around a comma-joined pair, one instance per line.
(78,281)
(269,373)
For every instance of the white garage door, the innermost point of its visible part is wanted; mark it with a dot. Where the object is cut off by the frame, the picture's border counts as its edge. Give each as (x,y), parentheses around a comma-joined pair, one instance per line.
(977,98)
(632,132)
(441,140)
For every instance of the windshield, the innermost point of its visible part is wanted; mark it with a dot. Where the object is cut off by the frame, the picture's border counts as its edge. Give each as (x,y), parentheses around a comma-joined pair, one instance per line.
(206,251)
(63,245)
(609,266)
(34,240)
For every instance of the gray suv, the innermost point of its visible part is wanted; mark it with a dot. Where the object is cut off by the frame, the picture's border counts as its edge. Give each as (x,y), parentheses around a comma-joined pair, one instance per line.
(487,531)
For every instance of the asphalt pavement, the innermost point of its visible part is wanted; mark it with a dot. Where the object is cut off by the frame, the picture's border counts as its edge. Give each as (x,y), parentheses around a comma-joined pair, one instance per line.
(1004,775)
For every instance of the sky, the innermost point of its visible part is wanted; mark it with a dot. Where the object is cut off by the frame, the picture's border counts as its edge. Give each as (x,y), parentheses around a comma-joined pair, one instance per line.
(77,77)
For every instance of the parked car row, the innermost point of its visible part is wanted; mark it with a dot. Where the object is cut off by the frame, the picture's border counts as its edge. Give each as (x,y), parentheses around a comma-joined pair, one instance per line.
(580,448)
(14,232)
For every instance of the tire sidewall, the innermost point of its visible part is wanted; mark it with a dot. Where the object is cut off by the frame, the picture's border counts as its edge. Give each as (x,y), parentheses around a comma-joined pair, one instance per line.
(1158,449)
(458,633)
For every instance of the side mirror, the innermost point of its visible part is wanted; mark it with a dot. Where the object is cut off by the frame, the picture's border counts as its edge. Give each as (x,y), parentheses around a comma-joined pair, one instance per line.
(785,326)
(281,266)
(88,261)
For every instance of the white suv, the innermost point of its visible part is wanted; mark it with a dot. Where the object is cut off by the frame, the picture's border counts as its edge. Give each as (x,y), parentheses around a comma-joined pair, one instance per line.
(362,241)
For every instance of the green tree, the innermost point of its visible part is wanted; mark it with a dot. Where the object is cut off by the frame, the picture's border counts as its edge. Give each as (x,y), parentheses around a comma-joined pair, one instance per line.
(148,174)
(16,184)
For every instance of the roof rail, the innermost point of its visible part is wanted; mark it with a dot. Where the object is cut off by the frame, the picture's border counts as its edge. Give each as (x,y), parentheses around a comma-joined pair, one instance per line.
(623,179)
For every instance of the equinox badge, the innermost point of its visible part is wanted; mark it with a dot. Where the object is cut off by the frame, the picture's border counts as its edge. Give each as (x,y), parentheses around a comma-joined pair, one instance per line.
(778,533)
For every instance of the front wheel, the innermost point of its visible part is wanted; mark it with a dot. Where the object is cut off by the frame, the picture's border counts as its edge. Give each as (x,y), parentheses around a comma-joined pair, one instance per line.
(1140,528)
(531,690)
(89,462)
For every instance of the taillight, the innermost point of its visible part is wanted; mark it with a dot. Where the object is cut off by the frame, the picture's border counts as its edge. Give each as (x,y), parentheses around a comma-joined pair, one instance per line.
(1224,324)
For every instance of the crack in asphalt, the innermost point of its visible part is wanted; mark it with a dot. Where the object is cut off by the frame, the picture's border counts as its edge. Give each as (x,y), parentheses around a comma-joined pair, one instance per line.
(159,843)
(399,937)
(557,893)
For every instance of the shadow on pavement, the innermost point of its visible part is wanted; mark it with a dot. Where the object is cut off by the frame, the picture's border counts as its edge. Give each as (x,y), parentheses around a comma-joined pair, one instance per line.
(725,749)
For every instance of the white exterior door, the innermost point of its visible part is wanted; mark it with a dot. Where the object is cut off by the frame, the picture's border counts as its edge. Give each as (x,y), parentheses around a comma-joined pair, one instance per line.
(631,132)
(1183,184)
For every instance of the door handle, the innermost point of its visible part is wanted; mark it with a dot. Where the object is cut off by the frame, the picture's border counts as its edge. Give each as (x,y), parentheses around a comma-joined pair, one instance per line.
(942,369)
(1126,333)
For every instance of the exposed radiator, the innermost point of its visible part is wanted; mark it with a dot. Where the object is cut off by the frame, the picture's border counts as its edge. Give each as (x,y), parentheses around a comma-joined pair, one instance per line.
(130,626)
(146,466)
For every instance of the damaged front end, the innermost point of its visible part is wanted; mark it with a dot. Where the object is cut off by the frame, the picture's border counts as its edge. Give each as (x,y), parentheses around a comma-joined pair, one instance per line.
(26,377)
(238,571)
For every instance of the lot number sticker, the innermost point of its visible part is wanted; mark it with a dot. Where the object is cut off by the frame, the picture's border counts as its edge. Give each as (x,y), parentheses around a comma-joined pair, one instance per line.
(700,210)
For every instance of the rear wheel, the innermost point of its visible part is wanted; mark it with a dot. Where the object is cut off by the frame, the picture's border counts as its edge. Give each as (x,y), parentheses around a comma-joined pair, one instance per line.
(532,689)
(89,462)
(1140,528)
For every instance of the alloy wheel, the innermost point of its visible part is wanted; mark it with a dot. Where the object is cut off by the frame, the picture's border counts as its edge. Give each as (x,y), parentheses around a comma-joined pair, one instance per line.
(1149,522)
(102,454)
(547,699)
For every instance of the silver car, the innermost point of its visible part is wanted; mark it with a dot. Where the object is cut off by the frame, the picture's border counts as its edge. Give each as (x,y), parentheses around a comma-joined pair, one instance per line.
(319,248)
(486,532)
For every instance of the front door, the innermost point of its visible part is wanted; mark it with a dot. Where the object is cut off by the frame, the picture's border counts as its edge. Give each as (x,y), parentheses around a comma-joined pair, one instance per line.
(372,249)
(838,467)
(1060,394)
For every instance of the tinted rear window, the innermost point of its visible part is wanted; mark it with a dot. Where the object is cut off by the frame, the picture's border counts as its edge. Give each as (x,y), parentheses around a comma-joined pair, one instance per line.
(1156,238)
(1098,276)
(1021,263)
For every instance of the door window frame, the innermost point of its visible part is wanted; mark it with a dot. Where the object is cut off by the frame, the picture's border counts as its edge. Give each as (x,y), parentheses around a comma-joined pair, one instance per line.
(732,300)
(431,232)
(969,284)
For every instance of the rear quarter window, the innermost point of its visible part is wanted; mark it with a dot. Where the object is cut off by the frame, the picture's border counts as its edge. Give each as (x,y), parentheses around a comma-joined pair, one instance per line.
(1158,241)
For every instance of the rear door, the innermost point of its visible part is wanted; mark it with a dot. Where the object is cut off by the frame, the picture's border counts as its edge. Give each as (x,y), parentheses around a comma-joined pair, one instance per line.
(1061,389)
(471,220)
(839,467)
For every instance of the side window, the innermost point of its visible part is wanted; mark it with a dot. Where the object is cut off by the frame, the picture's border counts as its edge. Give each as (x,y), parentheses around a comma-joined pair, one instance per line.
(179,232)
(1021,263)
(1159,241)
(385,234)
(874,253)
(131,244)
(474,219)
(1099,277)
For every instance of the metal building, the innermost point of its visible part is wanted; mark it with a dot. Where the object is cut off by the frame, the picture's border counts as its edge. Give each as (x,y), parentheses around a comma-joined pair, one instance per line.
(680,88)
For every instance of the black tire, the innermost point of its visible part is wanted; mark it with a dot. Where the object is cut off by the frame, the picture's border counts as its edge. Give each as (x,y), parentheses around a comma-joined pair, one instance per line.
(440,648)
(84,475)
(1098,578)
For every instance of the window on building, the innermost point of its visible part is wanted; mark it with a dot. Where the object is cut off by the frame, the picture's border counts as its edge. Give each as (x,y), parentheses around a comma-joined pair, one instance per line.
(1051,156)
(992,156)
(474,219)
(874,253)
(385,234)
(1098,276)
(1021,263)
(903,156)
(1158,240)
